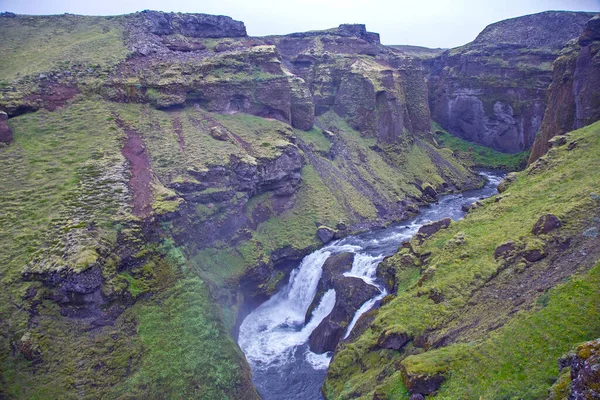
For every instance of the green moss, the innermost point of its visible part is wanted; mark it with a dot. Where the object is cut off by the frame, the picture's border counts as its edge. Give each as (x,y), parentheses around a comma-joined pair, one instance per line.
(480,156)
(36,44)
(316,138)
(519,358)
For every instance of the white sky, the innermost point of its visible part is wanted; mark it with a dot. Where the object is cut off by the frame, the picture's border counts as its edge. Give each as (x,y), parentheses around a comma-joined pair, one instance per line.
(431,23)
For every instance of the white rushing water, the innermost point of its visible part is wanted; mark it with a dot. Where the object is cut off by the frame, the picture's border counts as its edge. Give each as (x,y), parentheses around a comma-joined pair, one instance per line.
(275,335)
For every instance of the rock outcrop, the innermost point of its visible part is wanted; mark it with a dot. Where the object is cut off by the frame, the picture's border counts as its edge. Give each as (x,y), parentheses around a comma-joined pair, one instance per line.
(381,93)
(583,366)
(573,97)
(350,294)
(192,25)
(492,91)
(6,135)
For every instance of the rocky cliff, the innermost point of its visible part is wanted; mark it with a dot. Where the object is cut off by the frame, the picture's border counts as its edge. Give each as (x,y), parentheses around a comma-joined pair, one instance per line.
(492,91)
(164,171)
(573,97)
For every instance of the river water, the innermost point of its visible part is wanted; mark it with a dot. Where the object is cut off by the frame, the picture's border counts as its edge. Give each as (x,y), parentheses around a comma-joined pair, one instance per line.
(274,336)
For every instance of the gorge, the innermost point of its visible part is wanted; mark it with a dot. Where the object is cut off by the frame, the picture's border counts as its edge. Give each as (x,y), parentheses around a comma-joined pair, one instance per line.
(191,212)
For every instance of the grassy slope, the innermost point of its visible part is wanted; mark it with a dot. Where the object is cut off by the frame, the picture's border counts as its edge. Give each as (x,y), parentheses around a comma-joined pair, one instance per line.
(486,367)
(34,45)
(171,342)
(480,156)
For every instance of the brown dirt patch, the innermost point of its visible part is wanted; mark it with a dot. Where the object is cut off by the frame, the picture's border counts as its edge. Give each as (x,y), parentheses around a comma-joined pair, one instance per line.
(140,182)
(52,96)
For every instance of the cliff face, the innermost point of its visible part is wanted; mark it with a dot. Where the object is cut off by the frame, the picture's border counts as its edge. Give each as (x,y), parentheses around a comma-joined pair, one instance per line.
(492,91)
(573,97)
(164,168)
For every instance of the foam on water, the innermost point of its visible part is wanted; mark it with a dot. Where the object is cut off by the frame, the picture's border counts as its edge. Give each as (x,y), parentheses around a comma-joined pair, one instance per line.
(275,336)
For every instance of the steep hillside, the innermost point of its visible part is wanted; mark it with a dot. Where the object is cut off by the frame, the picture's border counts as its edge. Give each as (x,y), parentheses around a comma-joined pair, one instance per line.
(573,97)
(492,91)
(486,307)
(163,170)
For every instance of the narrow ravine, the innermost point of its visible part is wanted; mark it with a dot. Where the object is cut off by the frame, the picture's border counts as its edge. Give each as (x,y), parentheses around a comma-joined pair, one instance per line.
(274,336)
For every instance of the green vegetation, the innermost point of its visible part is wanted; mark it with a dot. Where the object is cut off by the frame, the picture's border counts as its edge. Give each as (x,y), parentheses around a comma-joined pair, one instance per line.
(520,358)
(185,348)
(480,156)
(34,45)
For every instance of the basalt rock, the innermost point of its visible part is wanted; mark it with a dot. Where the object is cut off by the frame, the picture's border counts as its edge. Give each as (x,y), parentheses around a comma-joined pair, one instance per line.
(546,223)
(351,293)
(573,97)
(584,362)
(193,25)
(393,340)
(492,91)
(326,234)
(429,229)
(6,135)
(421,383)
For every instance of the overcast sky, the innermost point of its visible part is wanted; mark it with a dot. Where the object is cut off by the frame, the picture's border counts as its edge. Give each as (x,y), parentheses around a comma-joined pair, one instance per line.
(432,23)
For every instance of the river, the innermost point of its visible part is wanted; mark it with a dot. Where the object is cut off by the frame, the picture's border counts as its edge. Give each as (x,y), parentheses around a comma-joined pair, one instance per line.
(274,336)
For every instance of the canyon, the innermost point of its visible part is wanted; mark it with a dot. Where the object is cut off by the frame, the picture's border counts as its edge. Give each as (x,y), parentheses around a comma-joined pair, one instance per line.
(164,175)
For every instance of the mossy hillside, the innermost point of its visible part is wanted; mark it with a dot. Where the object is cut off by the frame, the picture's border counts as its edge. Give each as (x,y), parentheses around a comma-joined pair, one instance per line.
(63,173)
(32,45)
(479,156)
(186,350)
(561,186)
(181,141)
(65,184)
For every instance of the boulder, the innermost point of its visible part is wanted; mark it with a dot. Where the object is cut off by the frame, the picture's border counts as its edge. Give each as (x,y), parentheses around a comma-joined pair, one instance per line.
(350,294)
(6,135)
(584,362)
(219,133)
(429,229)
(508,179)
(534,255)
(546,223)
(505,250)
(421,383)
(393,339)
(325,233)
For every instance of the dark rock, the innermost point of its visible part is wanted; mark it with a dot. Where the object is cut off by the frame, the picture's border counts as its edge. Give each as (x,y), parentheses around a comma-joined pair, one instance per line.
(6,135)
(393,340)
(534,255)
(220,133)
(417,396)
(350,294)
(193,25)
(558,141)
(341,226)
(546,223)
(466,207)
(429,190)
(326,234)
(485,93)
(505,250)
(573,95)
(429,229)
(421,383)
(585,370)
(508,179)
